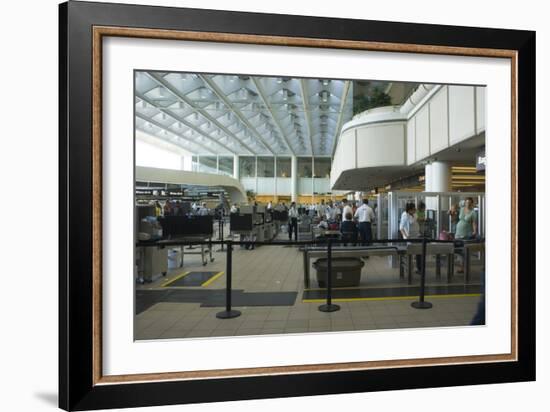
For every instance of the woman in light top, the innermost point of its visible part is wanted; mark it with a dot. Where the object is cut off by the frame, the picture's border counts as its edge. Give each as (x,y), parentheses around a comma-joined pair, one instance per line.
(409,228)
(466,227)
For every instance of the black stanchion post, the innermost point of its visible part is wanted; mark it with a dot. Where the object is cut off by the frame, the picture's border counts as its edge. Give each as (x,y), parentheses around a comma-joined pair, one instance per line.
(421,303)
(228,313)
(329,306)
(220,234)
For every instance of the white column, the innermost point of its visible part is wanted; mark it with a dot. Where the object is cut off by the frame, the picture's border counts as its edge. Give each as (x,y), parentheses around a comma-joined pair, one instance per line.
(312,177)
(428,177)
(294,179)
(256,173)
(275,197)
(186,163)
(438,177)
(236,167)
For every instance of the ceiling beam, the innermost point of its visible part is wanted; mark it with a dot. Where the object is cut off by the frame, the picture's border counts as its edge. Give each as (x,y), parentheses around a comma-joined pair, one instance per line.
(162,127)
(221,95)
(163,82)
(261,93)
(305,99)
(177,118)
(347,86)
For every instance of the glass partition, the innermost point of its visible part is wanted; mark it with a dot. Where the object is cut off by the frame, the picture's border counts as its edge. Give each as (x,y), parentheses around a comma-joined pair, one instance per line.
(247,166)
(304,167)
(208,164)
(284,167)
(321,167)
(266,167)
(437,212)
(225,165)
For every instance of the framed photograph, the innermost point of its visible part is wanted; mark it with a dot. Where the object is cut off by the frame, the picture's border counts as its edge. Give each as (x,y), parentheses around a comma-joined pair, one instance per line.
(258,206)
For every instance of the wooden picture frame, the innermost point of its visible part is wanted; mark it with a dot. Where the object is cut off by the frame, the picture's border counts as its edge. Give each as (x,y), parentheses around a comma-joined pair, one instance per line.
(82,385)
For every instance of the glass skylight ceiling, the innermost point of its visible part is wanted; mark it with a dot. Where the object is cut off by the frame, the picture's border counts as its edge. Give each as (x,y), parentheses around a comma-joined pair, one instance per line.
(244,115)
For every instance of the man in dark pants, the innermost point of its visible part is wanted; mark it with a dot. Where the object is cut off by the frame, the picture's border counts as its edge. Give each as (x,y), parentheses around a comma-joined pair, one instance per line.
(293,221)
(365,215)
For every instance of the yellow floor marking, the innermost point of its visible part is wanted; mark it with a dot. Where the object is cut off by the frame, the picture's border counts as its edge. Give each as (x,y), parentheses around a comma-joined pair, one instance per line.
(391,298)
(174,279)
(212,279)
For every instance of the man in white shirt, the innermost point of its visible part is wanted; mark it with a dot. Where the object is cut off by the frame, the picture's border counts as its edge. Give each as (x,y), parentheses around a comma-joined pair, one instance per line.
(203,211)
(365,215)
(320,208)
(346,209)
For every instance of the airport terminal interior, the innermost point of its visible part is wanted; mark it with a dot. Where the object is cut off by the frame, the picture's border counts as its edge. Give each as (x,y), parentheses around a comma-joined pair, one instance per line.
(286,205)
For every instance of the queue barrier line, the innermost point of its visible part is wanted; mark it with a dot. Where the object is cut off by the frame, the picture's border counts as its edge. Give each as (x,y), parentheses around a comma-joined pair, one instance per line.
(212,279)
(464,295)
(380,287)
(229,313)
(168,282)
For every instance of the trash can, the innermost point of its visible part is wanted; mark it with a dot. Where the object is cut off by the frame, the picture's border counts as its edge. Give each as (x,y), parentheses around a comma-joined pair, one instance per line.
(346,272)
(174,258)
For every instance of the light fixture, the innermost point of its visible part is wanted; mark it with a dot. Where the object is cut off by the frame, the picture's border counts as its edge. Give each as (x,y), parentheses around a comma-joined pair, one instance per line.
(196,115)
(183,76)
(181,105)
(144,104)
(285,95)
(325,82)
(163,115)
(161,91)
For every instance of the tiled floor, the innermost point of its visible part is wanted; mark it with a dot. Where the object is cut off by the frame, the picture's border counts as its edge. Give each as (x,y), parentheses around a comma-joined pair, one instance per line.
(277,268)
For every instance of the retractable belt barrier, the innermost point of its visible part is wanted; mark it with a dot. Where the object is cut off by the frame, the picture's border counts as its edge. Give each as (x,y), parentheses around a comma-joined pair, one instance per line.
(328,307)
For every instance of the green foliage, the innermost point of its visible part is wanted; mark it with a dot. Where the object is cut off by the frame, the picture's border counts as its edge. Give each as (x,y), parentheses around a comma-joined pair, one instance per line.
(377,98)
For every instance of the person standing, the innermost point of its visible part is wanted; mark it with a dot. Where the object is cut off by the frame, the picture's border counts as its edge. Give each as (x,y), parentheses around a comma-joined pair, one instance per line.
(348,229)
(466,228)
(365,216)
(408,226)
(293,221)
(203,211)
(321,209)
(346,209)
